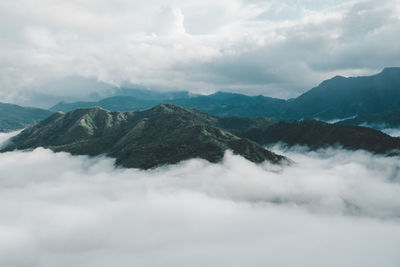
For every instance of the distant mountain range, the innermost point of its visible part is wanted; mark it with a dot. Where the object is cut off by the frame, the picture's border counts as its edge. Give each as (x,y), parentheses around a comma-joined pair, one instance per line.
(115,103)
(368,100)
(220,104)
(167,134)
(342,97)
(380,120)
(13,117)
(371,101)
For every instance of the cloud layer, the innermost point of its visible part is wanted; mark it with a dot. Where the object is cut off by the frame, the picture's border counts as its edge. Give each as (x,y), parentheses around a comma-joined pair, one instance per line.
(276,48)
(395,132)
(62,210)
(4,137)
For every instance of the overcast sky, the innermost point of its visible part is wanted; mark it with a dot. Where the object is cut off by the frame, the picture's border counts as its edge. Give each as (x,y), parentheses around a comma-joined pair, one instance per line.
(275,48)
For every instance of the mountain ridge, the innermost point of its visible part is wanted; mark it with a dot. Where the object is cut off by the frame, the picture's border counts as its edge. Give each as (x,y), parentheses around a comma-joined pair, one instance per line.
(368,100)
(14,117)
(336,98)
(165,134)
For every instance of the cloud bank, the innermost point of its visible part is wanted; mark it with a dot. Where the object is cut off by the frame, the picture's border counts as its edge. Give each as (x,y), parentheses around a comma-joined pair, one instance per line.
(395,132)
(275,48)
(331,208)
(385,128)
(4,137)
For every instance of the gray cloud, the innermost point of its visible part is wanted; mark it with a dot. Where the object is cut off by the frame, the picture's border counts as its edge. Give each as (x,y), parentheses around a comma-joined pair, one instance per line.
(387,129)
(4,137)
(395,132)
(276,48)
(64,210)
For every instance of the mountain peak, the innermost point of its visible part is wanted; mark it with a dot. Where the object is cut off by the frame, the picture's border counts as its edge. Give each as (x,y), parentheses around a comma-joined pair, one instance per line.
(88,112)
(335,79)
(167,107)
(391,71)
(165,134)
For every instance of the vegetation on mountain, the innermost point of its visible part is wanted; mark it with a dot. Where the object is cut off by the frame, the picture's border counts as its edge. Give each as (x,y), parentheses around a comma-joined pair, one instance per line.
(165,134)
(14,117)
(317,134)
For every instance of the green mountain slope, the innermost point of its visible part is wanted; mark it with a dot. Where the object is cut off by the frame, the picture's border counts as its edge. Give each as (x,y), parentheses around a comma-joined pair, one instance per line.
(14,117)
(165,134)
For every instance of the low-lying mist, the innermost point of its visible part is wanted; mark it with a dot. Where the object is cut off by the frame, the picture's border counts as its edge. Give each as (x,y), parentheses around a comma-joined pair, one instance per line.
(394,132)
(4,137)
(387,129)
(330,208)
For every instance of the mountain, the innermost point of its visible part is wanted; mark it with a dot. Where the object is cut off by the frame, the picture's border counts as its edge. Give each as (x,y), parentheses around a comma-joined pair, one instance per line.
(140,92)
(115,103)
(337,98)
(228,104)
(220,104)
(165,134)
(14,117)
(68,106)
(380,120)
(82,89)
(317,134)
(342,97)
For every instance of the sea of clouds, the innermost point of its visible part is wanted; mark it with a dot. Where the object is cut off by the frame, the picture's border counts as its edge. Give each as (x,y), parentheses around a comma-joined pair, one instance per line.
(329,208)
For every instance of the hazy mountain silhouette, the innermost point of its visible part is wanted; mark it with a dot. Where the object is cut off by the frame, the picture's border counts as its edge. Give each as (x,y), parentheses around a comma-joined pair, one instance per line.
(337,98)
(14,117)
